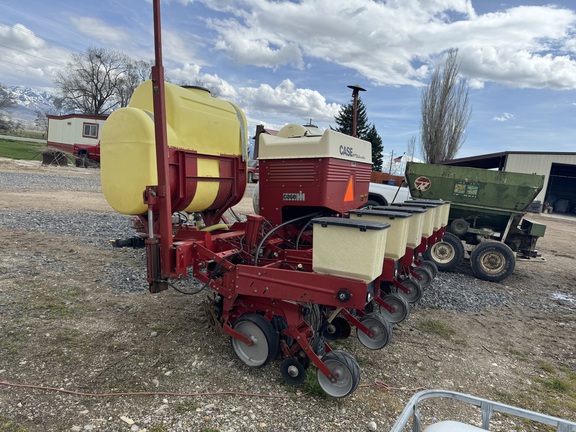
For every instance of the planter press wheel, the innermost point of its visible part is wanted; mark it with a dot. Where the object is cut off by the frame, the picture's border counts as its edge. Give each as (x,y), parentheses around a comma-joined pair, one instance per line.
(339,328)
(346,370)
(447,254)
(425,276)
(292,371)
(399,304)
(427,264)
(262,333)
(414,293)
(492,261)
(381,328)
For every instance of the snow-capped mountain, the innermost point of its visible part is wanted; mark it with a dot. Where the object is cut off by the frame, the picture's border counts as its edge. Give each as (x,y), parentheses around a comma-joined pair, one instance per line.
(28,101)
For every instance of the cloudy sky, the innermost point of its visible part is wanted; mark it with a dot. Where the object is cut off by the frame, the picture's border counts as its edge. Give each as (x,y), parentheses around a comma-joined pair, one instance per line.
(291,61)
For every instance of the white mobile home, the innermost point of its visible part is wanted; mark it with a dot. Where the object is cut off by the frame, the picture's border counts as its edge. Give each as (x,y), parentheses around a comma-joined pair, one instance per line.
(67,130)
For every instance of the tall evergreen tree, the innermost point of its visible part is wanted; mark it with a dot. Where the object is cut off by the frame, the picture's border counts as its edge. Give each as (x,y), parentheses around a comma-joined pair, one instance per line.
(364,131)
(377,148)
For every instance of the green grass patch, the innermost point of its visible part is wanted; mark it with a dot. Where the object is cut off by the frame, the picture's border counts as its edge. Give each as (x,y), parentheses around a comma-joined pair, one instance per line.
(310,385)
(186,406)
(7,425)
(26,134)
(546,367)
(437,328)
(21,149)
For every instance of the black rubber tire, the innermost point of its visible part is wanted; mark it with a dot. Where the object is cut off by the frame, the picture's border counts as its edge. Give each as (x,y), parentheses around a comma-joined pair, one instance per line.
(425,276)
(400,305)
(381,328)
(250,178)
(447,254)
(293,372)
(415,289)
(430,265)
(271,340)
(371,203)
(492,261)
(347,370)
(338,329)
(459,227)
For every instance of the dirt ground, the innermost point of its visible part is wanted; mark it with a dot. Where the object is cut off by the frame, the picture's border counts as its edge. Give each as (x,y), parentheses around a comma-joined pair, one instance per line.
(63,327)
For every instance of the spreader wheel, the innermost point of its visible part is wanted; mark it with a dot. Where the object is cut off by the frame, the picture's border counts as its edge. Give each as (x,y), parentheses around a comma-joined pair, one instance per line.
(292,371)
(262,333)
(345,370)
(339,328)
(424,275)
(492,261)
(427,264)
(381,328)
(398,304)
(447,254)
(412,291)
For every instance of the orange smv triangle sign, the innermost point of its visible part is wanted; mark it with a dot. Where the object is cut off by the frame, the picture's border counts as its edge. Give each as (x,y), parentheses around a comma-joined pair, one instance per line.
(349,196)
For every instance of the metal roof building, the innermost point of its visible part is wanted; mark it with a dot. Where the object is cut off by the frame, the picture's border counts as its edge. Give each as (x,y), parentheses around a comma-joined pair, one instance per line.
(559,170)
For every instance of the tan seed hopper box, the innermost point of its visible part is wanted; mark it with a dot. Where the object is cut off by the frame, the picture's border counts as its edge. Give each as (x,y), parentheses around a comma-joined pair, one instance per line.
(340,247)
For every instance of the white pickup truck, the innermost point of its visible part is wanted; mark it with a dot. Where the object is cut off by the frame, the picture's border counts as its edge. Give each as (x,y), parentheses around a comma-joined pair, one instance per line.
(384,194)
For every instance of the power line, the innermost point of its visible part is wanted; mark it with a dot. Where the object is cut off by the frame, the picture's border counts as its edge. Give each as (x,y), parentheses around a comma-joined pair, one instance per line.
(52,23)
(32,55)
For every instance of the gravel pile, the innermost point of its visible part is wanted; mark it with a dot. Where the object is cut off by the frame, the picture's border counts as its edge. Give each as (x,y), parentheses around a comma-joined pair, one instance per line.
(18,181)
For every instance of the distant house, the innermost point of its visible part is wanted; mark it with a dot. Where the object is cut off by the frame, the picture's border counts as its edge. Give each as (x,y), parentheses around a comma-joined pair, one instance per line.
(67,130)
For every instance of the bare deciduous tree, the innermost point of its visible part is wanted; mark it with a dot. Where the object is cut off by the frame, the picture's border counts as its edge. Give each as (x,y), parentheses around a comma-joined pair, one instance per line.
(445,112)
(411,147)
(136,73)
(91,80)
(7,101)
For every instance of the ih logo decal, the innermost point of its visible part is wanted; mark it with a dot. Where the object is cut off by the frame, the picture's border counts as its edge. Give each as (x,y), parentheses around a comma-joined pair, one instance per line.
(422,183)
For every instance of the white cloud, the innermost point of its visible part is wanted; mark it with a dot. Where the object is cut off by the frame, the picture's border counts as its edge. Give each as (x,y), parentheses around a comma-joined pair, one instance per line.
(25,56)
(99,30)
(504,117)
(288,101)
(394,42)
(19,37)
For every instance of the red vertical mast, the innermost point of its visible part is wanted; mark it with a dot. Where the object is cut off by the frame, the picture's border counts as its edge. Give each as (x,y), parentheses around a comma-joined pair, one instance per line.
(162,156)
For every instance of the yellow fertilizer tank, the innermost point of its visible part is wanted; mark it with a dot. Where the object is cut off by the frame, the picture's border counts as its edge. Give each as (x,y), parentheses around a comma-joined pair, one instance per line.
(207,142)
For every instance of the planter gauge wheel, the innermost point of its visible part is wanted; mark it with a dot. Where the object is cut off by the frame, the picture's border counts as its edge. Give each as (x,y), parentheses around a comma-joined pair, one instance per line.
(346,371)
(339,328)
(400,308)
(262,333)
(381,328)
(412,291)
(424,275)
(433,268)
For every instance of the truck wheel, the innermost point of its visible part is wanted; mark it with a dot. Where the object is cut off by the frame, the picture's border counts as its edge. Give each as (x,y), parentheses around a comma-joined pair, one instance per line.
(492,261)
(447,254)
(250,176)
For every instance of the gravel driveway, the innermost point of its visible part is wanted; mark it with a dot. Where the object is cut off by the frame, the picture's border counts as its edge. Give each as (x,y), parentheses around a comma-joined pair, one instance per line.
(75,315)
